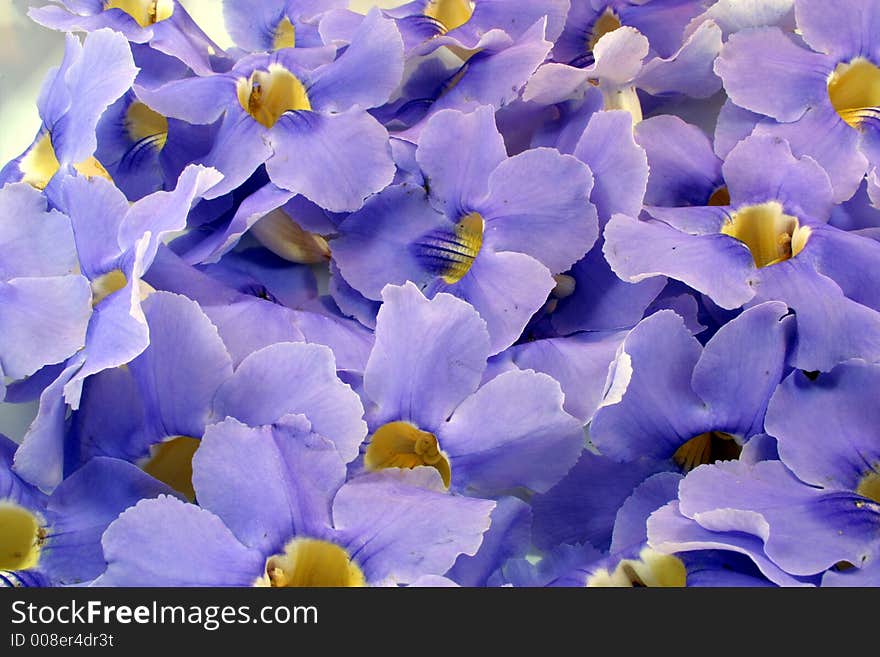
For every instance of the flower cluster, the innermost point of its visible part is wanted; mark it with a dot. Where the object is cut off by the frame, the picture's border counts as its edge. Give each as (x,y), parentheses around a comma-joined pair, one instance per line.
(488,293)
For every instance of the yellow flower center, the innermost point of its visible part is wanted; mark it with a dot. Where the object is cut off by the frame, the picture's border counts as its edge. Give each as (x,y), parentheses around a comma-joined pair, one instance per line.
(869,486)
(311,562)
(451,254)
(607,22)
(854,90)
(771,235)
(706,448)
(285,35)
(267,94)
(144,126)
(106,284)
(402,445)
(171,463)
(40,163)
(145,12)
(449,13)
(651,569)
(20,537)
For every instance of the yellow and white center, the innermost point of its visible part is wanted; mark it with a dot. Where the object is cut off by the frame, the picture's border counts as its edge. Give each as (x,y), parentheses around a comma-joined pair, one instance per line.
(145,12)
(285,35)
(267,94)
(771,235)
(311,562)
(708,447)
(607,22)
(171,463)
(854,90)
(651,569)
(402,445)
(449,13)
(145,125)
(21,536)
(40,164)
(869,486)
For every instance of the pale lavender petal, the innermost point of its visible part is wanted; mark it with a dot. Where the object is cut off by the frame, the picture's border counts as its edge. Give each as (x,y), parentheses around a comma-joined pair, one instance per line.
(268,484)
(458,173)
(165,542)
(506,288)
(650,408)
(429,356)
(334,160)
(618,164)
(684,168)
(295,378)
(827,428)
(400,526)
(761,169)
(791,78)
(554,223)
(805,530)
(717,265)
(844,29)
(688,71)
(512,432)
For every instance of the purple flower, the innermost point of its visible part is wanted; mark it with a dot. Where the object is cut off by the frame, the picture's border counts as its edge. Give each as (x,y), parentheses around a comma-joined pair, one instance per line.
(661,21)
(73,97)
(617,65)
(819,93)
(494,75)
(275,511)
(266,25)
(770,243)
(115,244)
(56,540)
(301,101)
(163,24)
(489,229)
(812,515)
(469,27)
(46,303)
(426,404)
(145,152)
(669,398)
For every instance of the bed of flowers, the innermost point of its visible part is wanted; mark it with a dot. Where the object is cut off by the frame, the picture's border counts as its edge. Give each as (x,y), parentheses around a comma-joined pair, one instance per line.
(493,293)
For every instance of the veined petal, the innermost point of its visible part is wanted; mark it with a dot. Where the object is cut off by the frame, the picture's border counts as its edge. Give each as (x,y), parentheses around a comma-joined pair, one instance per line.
(366,73)
(269,483)
(165,542)
(457,173)
(84,505)
(512,432)
(791,78)
(538,204)
(843,29)
(429,355)
(399,526)
(294,378)
(334,160)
